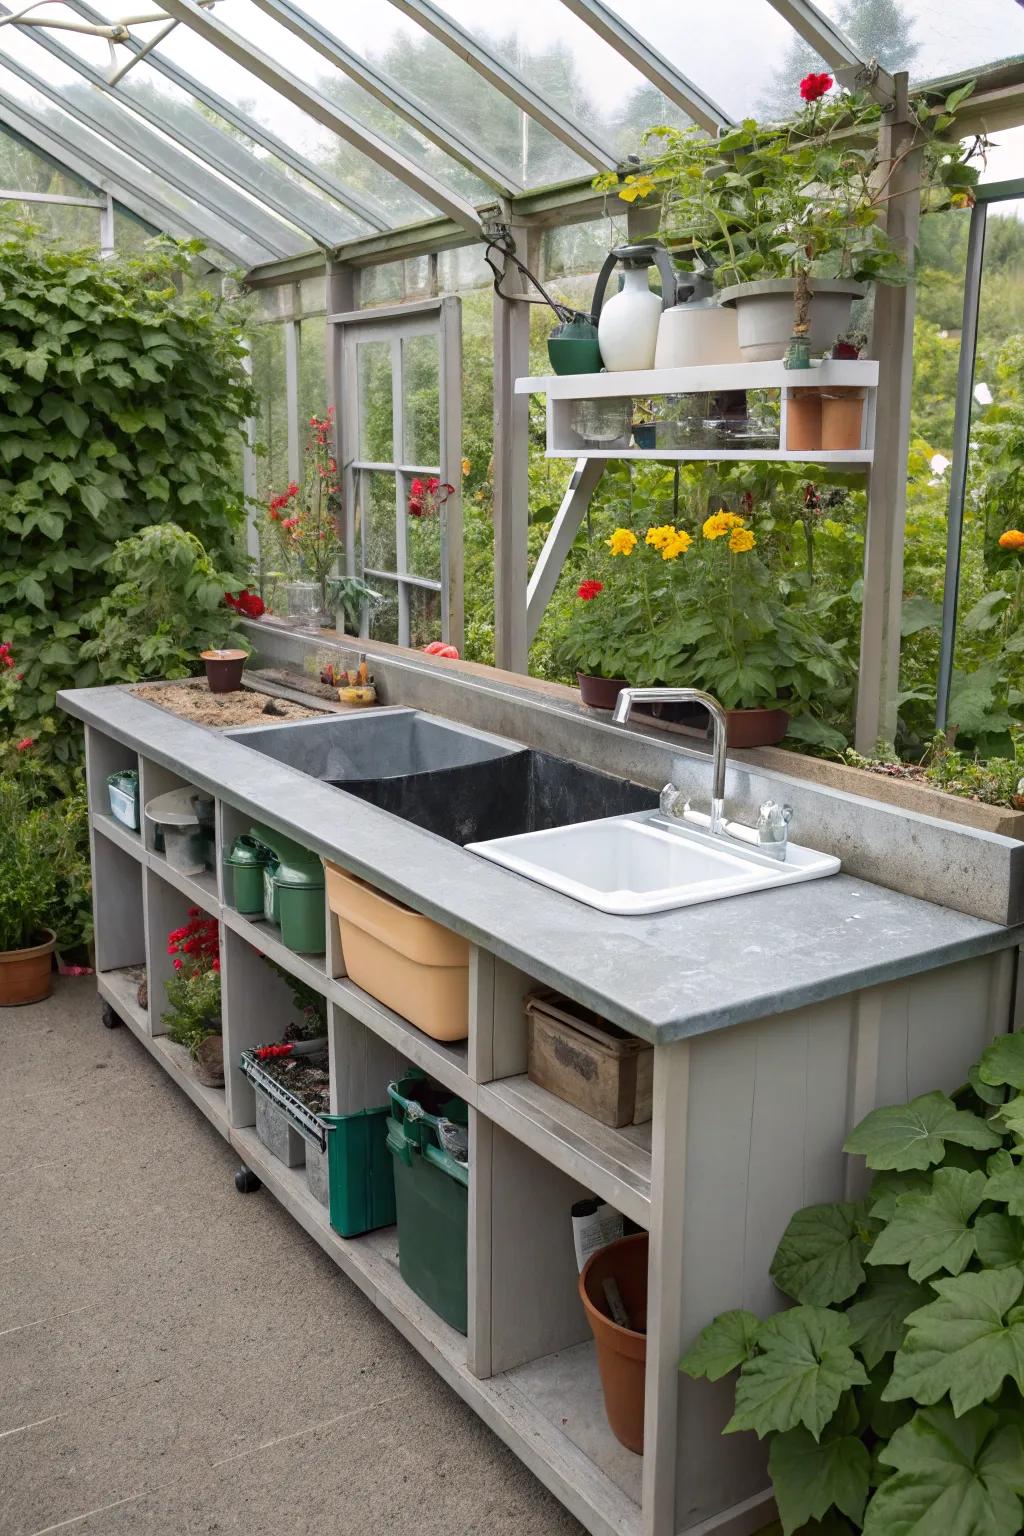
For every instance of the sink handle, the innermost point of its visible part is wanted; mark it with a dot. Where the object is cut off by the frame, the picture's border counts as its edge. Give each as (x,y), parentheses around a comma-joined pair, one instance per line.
(773,828)
(670,801)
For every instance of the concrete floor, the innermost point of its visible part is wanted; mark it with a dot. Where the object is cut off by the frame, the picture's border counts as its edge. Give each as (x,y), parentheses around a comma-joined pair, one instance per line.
(176,1358)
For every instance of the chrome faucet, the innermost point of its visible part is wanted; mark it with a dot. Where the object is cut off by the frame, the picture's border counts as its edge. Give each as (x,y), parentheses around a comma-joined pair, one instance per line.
(771,833)
(630,696)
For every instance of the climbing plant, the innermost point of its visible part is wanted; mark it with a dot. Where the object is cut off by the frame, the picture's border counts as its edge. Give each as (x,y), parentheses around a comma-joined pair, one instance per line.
(122,403)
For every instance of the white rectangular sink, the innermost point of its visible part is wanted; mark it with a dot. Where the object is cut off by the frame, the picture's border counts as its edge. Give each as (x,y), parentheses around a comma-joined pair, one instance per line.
(646,863)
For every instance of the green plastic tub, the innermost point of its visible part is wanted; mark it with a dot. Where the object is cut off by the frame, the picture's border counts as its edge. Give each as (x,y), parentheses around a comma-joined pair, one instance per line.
(431,1195)
(294,892)
(360,1174)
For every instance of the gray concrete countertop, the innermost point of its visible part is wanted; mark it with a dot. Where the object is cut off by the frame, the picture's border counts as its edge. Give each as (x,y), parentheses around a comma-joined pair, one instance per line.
(663,977)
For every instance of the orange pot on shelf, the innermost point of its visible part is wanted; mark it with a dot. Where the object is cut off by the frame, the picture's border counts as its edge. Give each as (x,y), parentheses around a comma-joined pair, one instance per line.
(803,421)
(621,1352)
(26,974)
(842,418)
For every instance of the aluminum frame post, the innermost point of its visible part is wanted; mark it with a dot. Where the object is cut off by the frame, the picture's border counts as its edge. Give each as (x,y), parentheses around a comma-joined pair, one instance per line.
(511,466)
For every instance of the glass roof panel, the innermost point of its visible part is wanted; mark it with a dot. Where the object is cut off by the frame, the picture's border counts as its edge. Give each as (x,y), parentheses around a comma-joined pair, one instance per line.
(146,86)
(433,74)
(931,38)
(149,146)
(317,143)
(129,174)
(741,52)
(581,74)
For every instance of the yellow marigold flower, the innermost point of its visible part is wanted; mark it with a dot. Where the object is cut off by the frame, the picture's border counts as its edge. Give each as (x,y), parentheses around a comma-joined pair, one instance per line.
(657,538)
(740,540)
(466,466)
(721,523)
(676,546)
(1011,539)
(622,542)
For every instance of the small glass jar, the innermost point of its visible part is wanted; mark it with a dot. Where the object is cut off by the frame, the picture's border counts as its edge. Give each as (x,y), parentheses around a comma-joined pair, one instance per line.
(603,423)
(302,600)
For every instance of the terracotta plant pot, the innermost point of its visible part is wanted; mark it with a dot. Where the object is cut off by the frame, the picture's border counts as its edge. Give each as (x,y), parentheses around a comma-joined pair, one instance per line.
(600,692)
(842,416)
(803,421)
(621,1352)
(26,974)
(224,670)
(755,727)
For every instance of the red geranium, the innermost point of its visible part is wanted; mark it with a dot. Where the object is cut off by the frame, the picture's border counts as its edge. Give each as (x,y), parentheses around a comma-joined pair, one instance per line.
(249,604)
(589,590)
(813,87)
(442,649)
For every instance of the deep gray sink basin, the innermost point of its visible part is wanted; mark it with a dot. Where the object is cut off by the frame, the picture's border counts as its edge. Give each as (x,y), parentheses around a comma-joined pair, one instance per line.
(381,744)
(462,784)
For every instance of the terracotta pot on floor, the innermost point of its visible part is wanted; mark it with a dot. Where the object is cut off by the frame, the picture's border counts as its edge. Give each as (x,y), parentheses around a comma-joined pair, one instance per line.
(26,974)
(600,692)
(621,1352)
(224,670)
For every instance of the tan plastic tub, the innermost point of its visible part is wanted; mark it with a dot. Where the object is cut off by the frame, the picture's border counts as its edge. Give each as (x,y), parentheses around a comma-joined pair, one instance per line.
(406,961)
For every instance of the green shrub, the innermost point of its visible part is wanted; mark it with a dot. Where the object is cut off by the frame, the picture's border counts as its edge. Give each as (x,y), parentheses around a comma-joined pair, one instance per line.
(122,403)
(893,1392)
(32,841)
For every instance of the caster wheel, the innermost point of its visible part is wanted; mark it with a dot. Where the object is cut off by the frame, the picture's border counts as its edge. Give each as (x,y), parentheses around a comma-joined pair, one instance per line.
(246,1181)
(110,1018)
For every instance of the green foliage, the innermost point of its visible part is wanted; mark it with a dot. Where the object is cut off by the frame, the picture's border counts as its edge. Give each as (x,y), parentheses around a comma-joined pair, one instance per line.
(893,1393)
(167,607)
(31,845)
(193,1007)
(122,401)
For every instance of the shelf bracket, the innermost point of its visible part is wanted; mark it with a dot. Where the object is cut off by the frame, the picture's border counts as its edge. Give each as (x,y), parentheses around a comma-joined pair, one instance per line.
(568,519)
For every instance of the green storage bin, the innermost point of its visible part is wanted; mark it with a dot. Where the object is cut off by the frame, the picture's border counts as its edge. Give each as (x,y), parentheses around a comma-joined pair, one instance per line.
(295,897)
(247,862)
(360,1172)
(431,1196)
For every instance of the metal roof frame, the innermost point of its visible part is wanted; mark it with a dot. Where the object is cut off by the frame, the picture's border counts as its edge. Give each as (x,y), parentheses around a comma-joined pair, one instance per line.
(388,156)
(836,49)
(445,30)
(92,167)
(628,43)
(359,207)
(273,202)
(169,168)
(392,95)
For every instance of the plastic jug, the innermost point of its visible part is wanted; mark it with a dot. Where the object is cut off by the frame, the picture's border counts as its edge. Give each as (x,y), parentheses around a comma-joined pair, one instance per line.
(696,330)
(627,325)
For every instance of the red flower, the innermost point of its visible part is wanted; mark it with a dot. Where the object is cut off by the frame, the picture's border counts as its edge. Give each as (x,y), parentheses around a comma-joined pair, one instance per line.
(440,648)
(813,87)
(415,507)
(417,488)
(216,965)
(24,744)
(588,590)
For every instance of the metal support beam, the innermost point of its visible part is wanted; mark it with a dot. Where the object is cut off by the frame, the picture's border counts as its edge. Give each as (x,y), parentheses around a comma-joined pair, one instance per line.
(107,227)
(958,467)
(86,161)
(391,95)
(52,197)
(511,462)
(835,48)
(446,31)
(561,536)
(634,48)
(292,346)
(361,208)
(892,343)
(388,156)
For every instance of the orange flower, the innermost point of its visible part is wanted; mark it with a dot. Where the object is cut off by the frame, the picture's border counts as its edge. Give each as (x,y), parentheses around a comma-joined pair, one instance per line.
(1013,538)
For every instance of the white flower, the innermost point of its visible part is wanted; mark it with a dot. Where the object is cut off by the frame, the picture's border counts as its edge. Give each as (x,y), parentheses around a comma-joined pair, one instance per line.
(938,463)
(983,394)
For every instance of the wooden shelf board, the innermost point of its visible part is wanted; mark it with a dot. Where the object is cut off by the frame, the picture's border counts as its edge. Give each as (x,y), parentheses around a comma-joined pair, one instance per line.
(266,937)
(615,1164)
(118,989)
(523,1407)
(201,889)
(118,833)
(850,458)
(565,1388)
(712,377)
(448,1063)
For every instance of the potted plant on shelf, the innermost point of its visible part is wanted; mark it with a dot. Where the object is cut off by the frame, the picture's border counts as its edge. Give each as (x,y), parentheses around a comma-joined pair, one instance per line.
(301,535)
(790,215)
(30,869)
(192,1016)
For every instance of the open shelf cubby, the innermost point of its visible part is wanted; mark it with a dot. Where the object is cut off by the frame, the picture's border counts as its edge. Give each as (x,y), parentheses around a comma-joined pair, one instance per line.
(200,889)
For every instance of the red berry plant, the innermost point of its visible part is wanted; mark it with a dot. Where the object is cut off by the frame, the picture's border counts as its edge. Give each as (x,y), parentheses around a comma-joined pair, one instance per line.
(193,992)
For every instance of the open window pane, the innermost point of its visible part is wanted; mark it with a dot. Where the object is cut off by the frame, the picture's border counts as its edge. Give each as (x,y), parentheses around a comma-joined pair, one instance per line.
(376,422)
(424,615)
(376,511)
(383,624)
(421,401)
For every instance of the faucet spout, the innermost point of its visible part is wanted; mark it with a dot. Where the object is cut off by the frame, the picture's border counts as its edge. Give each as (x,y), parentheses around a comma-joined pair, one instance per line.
(630,696)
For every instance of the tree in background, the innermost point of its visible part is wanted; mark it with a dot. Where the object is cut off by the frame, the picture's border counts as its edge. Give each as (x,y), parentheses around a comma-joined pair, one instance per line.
(878,29)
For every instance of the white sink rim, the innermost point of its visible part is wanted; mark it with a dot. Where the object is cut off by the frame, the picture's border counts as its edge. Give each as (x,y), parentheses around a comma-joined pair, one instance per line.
(745,868)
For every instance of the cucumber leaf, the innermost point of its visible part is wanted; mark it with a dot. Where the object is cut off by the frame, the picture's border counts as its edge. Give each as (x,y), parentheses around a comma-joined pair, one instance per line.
(820,1259)
(913,1135)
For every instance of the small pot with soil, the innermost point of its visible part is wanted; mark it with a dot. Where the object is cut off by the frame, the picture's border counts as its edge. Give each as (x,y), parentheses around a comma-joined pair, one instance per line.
(224,669)
(755,727)
(26,975)
(614,1280)
(600,692)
